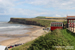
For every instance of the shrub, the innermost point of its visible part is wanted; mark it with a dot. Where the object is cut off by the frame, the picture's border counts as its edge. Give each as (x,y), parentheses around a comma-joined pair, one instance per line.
(48,41)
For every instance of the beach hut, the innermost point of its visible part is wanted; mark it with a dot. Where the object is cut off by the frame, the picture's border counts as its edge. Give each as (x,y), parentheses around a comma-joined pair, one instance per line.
(3,47)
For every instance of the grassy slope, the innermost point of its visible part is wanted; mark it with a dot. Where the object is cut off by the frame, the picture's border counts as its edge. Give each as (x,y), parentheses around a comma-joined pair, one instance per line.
(40,22)
(69,36)
(50,40)
(55,38)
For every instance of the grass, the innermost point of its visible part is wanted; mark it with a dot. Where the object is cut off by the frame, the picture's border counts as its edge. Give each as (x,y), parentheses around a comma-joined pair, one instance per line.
(69,36)
(47,42)
(50,40)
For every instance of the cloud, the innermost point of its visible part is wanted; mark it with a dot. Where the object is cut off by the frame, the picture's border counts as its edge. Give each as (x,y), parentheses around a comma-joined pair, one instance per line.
(38,2)
(0,0)
(61,4)
(7,8)
(37,7)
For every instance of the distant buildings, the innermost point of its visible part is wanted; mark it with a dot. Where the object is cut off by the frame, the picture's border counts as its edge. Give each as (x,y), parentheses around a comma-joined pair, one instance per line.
(70,21)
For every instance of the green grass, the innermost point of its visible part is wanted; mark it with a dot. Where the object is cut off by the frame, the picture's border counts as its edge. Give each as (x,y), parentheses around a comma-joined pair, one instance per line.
(55,38)
(50,40)
(69,36)
(47,42)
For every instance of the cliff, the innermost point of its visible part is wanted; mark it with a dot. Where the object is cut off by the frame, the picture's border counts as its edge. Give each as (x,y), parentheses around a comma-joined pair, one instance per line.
(30,21)
(33,21)
(17,20)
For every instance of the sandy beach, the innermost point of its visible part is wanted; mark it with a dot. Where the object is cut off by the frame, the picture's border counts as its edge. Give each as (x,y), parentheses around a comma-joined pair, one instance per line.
(35,32)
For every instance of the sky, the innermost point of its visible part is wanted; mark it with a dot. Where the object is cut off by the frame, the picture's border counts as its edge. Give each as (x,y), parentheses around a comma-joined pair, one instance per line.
(34,8)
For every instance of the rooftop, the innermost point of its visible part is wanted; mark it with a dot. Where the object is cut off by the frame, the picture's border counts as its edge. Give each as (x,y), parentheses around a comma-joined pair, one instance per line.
(70,17)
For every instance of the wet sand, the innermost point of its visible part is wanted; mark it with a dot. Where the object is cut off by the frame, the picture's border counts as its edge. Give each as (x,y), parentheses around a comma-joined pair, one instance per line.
(35,32)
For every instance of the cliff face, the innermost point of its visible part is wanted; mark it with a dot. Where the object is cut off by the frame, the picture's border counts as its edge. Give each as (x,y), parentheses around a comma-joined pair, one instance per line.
(31,21)
(23,21)
(16,20)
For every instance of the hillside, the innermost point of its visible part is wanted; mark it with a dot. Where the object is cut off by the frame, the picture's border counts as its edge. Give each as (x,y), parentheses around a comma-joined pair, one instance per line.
(44,17)
(63,39)
(34,21)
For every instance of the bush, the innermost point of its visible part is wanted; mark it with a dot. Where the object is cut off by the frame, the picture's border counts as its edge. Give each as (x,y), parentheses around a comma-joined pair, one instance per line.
(48,41)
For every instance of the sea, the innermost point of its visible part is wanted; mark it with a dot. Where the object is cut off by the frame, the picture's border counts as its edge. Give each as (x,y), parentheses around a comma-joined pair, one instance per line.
(12,29)
(7,28)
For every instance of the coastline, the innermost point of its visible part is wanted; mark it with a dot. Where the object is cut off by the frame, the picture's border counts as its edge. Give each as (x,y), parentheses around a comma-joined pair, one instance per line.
(35,32)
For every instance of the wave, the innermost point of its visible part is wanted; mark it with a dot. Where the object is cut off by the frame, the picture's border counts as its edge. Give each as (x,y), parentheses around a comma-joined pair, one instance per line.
(10,27)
